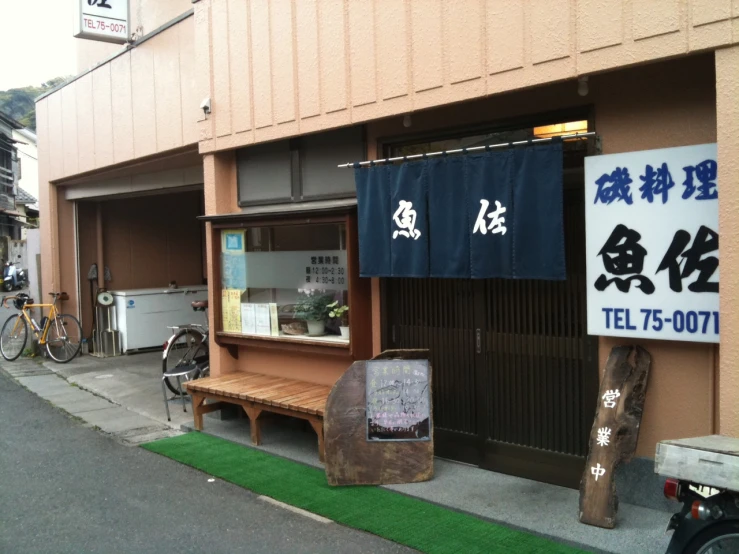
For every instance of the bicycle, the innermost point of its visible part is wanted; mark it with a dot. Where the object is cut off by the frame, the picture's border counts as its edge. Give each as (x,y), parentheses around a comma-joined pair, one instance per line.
(61,334)
(187,347)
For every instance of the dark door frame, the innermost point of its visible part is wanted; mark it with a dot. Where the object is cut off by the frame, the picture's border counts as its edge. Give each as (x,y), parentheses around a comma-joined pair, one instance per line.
(553,467)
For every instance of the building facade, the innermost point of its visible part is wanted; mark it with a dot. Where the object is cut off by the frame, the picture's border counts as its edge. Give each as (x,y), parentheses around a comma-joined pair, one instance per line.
(13,218)
(214,139)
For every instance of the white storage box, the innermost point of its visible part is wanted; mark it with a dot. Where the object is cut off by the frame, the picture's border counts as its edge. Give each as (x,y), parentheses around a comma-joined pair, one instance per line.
(144,315)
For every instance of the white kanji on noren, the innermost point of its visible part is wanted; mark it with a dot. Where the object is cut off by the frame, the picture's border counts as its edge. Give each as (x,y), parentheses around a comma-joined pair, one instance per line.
(405,218)
(598,471)
(496,222)
(610,396)
(604,436)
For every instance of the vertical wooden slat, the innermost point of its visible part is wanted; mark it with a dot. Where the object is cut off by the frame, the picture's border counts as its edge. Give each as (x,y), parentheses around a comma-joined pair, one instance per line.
(221,68)
(261,64)
(144,102)
(122,108)
(240,66)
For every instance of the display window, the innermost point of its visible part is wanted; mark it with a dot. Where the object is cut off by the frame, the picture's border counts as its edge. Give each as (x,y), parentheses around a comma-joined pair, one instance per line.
(286,282)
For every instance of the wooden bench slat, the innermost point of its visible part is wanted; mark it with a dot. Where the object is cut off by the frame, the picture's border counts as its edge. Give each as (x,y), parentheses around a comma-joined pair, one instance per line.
(308,398)
(213,385)
(258,393)
(315,407)
(253,381)
(226,388)
(291,401)
(289,390)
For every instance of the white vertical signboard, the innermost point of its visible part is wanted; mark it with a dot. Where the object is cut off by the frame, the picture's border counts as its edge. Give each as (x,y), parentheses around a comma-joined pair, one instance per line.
(106,20)
(652,244)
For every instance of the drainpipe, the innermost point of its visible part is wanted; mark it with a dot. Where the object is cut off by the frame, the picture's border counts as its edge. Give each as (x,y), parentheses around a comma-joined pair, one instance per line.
(100,260)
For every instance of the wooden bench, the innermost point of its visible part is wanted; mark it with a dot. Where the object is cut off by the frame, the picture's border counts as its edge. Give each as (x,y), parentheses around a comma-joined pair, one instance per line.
(257,393)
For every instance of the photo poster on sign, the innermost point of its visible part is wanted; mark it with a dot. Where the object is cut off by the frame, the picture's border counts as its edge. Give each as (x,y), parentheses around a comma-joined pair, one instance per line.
(652,244)
(248,319)
(263,319)
(231,310)
(398,400)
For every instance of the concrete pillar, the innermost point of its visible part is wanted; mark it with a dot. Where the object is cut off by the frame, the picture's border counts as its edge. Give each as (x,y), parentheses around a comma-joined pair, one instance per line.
(220,198)
(727,126)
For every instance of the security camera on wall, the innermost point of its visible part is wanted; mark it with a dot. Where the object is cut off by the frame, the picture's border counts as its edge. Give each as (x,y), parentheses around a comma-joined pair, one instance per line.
(205,105)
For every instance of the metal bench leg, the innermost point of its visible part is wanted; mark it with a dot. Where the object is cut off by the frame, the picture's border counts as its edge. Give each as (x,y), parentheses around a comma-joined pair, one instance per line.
(166,404)
(182,394)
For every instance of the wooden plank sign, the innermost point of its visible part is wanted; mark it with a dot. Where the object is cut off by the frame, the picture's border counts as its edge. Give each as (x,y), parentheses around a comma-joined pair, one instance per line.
(615,432)
(398,402)
(380,433)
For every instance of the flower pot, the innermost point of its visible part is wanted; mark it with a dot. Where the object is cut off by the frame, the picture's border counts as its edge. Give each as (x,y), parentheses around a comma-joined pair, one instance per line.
(344,332)
(316,328)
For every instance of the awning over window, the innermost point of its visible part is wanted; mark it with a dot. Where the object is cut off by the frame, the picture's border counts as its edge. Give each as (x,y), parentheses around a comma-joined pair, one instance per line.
(495,214)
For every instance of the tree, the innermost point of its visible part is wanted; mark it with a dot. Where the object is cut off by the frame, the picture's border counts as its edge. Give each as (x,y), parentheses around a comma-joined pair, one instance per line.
(19,103)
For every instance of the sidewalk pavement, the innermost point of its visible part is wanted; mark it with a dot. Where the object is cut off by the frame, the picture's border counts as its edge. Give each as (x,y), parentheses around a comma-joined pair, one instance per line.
(122,396)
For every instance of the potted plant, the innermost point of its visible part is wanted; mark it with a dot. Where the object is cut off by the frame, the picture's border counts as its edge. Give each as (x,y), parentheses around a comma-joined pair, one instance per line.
(342,314)
(314,309)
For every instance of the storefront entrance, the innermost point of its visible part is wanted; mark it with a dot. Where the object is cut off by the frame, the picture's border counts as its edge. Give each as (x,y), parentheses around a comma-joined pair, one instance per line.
(515,377)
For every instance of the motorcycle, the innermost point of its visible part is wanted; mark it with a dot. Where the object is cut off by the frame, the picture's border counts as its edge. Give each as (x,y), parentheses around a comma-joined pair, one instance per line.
(705,525)
(13,278)
(708,522)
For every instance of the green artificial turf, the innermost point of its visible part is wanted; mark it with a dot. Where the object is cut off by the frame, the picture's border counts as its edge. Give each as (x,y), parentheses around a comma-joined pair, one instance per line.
(409,521)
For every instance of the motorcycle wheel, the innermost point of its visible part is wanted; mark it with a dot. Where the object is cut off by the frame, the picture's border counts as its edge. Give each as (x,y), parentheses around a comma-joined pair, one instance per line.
(7,286)
(721,538)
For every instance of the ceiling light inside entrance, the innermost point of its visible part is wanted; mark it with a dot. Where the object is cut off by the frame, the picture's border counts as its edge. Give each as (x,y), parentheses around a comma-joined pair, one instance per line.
(559,129)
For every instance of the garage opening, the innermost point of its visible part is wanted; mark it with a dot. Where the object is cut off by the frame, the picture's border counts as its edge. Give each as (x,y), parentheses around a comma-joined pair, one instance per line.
(151,245)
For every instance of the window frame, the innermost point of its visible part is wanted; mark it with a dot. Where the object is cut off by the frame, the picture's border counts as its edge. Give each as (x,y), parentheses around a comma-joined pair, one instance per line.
(297,194)
(358,289)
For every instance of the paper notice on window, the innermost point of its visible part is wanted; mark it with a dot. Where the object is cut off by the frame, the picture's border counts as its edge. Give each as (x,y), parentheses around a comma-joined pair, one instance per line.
(231,310)
(263,319)
(248,319)
(274,320)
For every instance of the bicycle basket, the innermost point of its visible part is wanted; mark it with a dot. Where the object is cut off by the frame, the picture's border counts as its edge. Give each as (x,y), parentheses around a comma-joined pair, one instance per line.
(21,300)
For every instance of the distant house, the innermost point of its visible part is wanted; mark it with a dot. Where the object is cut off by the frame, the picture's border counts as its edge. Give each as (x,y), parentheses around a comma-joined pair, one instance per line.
(27,206)
(18,164)
(26,198)
(8,164)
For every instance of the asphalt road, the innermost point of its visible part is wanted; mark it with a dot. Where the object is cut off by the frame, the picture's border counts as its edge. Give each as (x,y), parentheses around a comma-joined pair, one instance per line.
(68,488)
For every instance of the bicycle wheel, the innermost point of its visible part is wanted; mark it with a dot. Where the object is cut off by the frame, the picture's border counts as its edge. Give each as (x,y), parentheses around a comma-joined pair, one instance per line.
(189,347)
(64,339)
(13,337)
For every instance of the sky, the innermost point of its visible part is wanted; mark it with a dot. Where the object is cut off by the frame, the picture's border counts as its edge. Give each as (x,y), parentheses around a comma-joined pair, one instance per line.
(37,41)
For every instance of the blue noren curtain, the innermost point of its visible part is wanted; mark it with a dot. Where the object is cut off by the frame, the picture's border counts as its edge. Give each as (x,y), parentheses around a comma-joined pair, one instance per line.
(492,215)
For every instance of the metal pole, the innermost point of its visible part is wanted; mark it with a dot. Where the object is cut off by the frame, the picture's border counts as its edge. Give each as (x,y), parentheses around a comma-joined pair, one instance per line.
(467,150)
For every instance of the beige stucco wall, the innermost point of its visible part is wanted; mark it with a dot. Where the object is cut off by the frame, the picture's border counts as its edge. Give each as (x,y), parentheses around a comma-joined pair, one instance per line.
(143,103)
(146,16)
(283,68)
(727,103)
(636,109)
